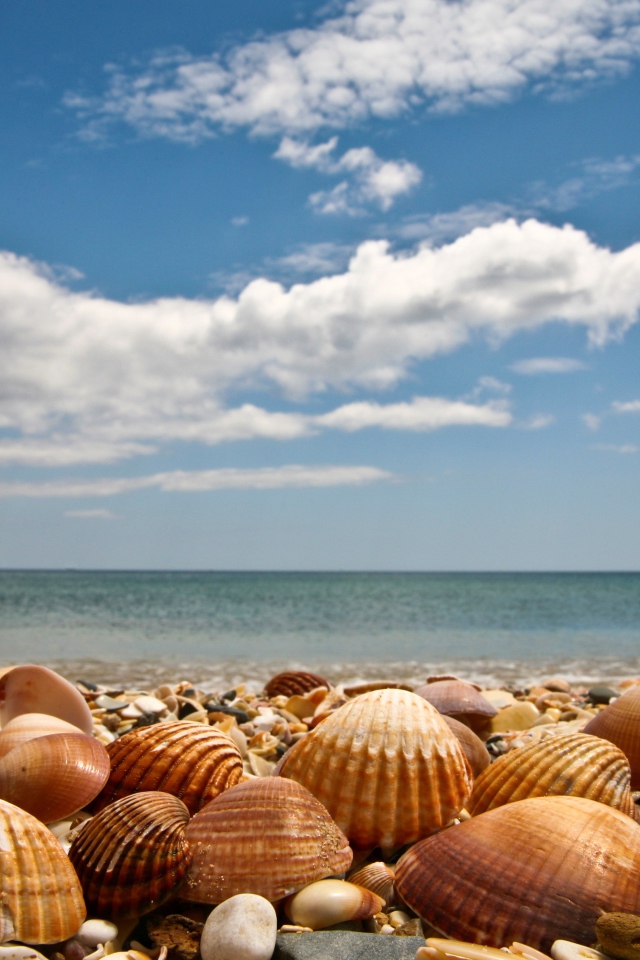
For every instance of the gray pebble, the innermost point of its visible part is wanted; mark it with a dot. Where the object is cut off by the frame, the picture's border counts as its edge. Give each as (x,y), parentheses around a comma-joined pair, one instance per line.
(341,945)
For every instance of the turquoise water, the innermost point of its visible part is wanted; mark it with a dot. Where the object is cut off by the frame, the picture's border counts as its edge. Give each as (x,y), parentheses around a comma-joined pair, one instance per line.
(487,625)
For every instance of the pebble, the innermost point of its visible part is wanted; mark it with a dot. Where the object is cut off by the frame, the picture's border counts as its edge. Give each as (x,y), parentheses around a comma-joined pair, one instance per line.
(343,945)
(148,704)
(241,928)
(619,935)
(601,693)
(93,932)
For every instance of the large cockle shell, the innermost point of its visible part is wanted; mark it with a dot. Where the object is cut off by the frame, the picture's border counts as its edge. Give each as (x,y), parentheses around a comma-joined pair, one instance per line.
(386,767)
(192,761)
(620,724)
(572,764)
(473,748)
(268,836)
(34,689)
(294,682)
(54,776)
(326,902)
(534,871)
(28,726)
(461,700)
(378,877)
(133,855)
(39,891)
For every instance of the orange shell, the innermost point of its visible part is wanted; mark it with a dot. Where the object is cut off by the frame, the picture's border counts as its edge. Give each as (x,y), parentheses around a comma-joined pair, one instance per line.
(267,836)
(133,855)
(620,724)
(534,871)
(294,681)
(571,764)
(192,761)
(459,699)
(31,688)
(54,776)
(377,877)
(39,890)
(473,748)
(386,767)
(28,726)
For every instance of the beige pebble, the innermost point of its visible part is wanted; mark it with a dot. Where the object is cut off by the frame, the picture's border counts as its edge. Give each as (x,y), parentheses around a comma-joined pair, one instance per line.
(241,928)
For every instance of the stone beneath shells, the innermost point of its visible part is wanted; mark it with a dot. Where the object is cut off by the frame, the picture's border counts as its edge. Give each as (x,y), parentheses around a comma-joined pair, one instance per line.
(268,836)
(619,935)
(31,688)
(519,716)
(133,855)
(39,890)
(181,935)
(386,767)
(192,762)
(242,928)
(620,723)
(573,764)
(291,682)
(533,871)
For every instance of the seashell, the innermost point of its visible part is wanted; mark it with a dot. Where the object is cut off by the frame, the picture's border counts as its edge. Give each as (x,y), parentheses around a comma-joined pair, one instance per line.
(133,855)
(568,950)
(18,951)
(519,716)
(326,902)
(620,724)
(557,683)
(294,681)
(533,871)
(573,764)
(386,767)
(473,748)
(28,726)
(464,951)
(192,762)
(619,935)
(268,836)
(524,950)
(39,890)
(377,877)
(460,700)
(34,689)
(242,928)
(370,685)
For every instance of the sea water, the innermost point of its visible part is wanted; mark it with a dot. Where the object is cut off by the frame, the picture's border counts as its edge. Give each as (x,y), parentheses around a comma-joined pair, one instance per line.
(217,628)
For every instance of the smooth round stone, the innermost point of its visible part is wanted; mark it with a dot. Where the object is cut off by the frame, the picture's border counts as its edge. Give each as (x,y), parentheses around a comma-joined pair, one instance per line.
(93,932)
(243,927)
(601,693)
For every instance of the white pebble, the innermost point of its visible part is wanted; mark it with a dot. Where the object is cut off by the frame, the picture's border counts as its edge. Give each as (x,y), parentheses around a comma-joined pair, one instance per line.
(150,704)
(93,932)
(241,928)
(18,951)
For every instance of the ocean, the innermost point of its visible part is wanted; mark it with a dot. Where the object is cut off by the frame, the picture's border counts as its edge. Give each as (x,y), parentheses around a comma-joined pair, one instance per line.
(217,628)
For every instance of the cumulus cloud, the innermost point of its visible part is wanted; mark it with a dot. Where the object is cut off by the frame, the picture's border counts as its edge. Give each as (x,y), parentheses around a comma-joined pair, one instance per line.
(628,406)
(536,365)
(377,58)
(423,413)
(539,421)
(85,377)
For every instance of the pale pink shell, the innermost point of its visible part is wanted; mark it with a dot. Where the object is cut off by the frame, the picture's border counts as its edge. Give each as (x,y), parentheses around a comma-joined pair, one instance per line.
(34,689)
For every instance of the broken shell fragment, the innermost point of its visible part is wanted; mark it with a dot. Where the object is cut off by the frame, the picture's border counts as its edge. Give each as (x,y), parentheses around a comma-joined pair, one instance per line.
(292,682)
(30,688)
(326,902)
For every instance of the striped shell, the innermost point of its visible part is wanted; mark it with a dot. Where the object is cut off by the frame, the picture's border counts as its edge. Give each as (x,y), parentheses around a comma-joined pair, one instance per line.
(377,877)
(31,688)
(267,836)
(461,700)
(620,724)
(573,764)
(39,890)
(54,776)
(191,761)
(534,871)
(133,855)
(28,726)
(386,767)
(473,748)
(294,681)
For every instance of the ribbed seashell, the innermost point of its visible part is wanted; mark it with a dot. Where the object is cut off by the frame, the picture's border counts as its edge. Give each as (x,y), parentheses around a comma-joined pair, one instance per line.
(294,681)
(534,871)
(377,877)
(191,761)
(133,855)
(386,767)
(461,700)
(573,764)
(326,902)
(34,689)
(620,724)
(268,836)
(39,891)
(54,776)
(473,748)
(28,726)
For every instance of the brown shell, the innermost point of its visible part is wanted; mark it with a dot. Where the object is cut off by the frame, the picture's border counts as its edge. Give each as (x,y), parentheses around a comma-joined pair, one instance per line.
(39,890)
(379,878)
(54,776)
(473,748)
(461,700)
(573,764)
(386,767)
(133,855)
(31,688)
(192,761)
(534,871)
(28,726)
(620,724)
(267,836)
(294,681)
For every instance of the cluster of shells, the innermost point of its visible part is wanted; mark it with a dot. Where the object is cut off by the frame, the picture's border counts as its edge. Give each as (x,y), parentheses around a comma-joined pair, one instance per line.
(474,819)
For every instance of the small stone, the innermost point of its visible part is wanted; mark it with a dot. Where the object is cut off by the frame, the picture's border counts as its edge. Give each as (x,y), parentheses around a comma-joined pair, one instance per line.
(619,935)
(148,704)
(342,945)
(601,693)
(179,934)
(93,932)
(557,683)
(241,928)
(519,716)
(240,715)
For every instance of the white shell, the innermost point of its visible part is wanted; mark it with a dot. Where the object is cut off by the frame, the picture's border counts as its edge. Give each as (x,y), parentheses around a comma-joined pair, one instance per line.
(568,950)
(326,902)
(243,927)
(18,951)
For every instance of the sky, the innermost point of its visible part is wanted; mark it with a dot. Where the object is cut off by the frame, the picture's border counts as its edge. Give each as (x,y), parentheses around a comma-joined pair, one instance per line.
(320,286)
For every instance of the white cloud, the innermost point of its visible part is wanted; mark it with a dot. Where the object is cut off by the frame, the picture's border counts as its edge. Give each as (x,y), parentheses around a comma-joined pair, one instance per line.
(378,58)
(99,514)
(239,221)
(591,177)
(592,421)
(624,448)
(422,413)
(182,481)
(630,406)
(539,421)
(440,227)
(537,365)
(313,258)
(88,378)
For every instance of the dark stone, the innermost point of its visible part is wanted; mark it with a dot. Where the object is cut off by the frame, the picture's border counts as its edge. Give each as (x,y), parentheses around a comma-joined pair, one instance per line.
(88,684)
(229,695)
(146,720)
(187,708)
(601,693)
(342,945)
(240,715)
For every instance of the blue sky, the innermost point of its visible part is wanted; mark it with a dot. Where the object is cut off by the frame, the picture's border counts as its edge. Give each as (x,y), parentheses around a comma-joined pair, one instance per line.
(294,285)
